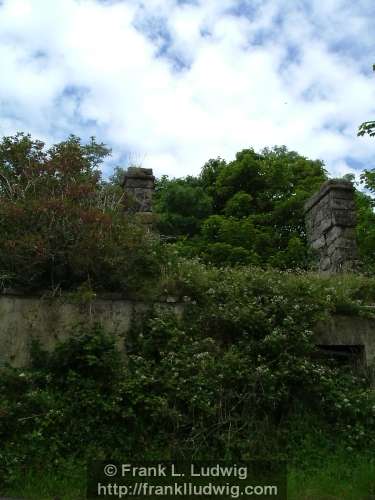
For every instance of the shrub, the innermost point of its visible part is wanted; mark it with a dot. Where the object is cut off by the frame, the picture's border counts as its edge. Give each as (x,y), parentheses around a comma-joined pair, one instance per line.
(230,377)
(61,226)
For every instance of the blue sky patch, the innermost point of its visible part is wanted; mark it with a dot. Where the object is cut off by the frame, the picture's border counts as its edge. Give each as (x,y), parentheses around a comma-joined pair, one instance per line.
(48,72)
(243,8)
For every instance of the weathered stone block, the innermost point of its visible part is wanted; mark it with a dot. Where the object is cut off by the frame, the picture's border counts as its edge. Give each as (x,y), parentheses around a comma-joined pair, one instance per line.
(343,217)
(141,183)
(341,203)
(340,232)
(325,264)
(322,228)
(343,194)
(341,255)
(319,243)
(342,243)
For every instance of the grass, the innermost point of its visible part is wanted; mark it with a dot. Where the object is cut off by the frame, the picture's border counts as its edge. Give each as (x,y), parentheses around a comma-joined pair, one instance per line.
(339,477)
(65,483)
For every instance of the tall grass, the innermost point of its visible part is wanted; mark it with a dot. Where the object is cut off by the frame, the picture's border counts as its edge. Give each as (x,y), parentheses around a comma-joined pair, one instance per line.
(340,476)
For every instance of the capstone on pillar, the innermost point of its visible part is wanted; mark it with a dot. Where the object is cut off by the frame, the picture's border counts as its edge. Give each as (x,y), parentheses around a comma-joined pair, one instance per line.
(331,226)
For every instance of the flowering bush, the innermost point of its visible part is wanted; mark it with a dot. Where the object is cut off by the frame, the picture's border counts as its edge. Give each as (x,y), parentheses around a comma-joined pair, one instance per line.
(236,376)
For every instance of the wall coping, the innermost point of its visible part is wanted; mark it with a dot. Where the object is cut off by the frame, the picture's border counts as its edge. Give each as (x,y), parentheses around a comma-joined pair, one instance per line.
(44,295)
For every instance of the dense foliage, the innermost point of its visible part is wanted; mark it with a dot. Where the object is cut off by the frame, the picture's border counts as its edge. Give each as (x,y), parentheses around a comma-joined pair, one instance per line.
(249,211)
(366,231)
(235,376)
(61,225)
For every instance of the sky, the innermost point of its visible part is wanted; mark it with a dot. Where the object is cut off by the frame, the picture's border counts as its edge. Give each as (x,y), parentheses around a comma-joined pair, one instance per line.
(170,84)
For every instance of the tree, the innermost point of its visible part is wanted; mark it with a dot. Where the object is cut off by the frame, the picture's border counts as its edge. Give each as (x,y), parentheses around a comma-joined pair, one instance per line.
(367,127)
(182,204)
(60,225)
(256,209)
(366,230)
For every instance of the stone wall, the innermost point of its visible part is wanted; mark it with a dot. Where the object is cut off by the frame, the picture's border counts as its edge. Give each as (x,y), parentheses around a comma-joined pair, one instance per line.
(23,319)
(330,226)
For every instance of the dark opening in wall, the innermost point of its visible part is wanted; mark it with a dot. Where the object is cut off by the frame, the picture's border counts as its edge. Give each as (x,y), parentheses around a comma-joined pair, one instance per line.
(352,355)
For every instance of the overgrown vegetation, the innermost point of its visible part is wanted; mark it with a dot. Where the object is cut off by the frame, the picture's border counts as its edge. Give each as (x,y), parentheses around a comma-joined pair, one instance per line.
(235,376)
(62,226)
(249,211)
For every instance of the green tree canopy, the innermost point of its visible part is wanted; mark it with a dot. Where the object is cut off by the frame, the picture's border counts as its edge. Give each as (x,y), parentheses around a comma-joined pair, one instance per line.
(253,204)
(182,204)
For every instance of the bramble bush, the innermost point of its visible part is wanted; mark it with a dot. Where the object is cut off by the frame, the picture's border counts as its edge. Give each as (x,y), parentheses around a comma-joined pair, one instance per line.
(235,376)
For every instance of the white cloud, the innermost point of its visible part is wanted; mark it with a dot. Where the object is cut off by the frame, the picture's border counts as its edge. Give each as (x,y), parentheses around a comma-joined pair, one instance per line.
(290,74)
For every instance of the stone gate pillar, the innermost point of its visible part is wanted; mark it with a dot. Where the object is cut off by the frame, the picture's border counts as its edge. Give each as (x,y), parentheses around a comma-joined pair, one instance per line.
(330,225)
(139,185)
